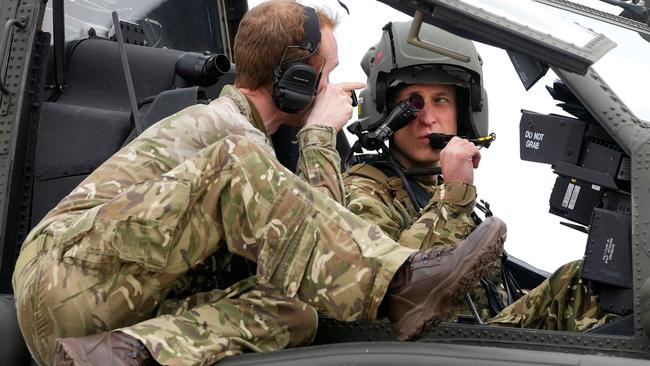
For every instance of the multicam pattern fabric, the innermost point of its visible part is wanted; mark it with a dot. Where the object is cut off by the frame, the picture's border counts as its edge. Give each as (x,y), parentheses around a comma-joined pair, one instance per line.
(446,220)
(108,255)
(319,163)
(562,302)
(383,200)
(219,323)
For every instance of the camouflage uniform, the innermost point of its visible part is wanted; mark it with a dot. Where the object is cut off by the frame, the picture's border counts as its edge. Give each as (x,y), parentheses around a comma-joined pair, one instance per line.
(108,254)
(561,302)
(446,220)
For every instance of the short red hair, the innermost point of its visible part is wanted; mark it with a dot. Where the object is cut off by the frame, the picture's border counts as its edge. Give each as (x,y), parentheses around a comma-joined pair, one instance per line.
(264,34)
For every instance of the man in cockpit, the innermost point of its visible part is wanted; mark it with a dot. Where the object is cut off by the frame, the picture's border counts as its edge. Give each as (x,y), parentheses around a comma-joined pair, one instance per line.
(424,197)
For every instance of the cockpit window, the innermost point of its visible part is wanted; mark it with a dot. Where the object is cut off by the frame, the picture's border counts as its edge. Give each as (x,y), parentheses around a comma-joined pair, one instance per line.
(164,23)
(533,16)
(526,28)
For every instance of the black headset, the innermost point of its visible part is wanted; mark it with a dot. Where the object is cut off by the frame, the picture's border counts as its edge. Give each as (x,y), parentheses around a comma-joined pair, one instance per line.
(296,82)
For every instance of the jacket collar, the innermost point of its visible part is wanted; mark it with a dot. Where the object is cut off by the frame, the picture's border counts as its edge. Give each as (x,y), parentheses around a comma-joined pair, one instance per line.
(245,105)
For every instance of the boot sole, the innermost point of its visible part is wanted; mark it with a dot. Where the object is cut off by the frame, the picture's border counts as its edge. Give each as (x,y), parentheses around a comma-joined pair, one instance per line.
(436,306)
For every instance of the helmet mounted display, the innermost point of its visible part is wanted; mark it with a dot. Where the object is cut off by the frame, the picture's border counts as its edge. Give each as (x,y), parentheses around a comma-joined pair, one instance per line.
(404,56)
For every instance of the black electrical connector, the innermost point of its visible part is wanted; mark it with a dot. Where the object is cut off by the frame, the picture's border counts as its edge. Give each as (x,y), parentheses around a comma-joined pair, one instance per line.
(438,141)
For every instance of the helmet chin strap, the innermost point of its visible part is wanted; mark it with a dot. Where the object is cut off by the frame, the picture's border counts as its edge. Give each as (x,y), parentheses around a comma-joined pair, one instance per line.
(422,171)
(415,171)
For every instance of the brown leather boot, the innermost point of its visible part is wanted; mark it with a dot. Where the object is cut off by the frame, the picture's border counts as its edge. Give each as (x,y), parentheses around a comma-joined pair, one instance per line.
(106,348)
(424,288)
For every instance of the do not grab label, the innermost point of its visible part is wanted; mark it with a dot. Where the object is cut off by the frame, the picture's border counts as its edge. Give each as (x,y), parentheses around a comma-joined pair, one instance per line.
(533,139)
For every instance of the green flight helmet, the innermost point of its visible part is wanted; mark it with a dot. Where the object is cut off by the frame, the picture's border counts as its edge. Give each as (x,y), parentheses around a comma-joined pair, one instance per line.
(437,57)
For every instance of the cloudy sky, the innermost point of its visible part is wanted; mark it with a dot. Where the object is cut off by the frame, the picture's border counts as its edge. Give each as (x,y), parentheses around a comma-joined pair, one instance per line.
(517,191)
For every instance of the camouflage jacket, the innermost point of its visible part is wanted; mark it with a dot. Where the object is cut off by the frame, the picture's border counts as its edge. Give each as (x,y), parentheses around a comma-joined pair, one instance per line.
(446,219)
(318,163)
(167,143)
(384,201)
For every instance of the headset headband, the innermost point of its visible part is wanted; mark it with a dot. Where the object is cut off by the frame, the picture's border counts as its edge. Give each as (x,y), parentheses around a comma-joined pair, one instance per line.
(311,26)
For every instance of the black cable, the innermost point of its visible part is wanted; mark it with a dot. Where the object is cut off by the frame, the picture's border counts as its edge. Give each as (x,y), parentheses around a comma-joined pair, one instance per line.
(350,155)
(391,165)
(513,290)
(472,308)
(438,141)
(344,6)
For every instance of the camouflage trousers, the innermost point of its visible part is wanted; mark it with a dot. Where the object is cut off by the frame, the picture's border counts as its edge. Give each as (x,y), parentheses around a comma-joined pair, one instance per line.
(561,302)
(112,266)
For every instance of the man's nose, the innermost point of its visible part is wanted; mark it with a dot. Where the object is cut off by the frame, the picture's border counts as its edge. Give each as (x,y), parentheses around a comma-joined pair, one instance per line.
(426,116)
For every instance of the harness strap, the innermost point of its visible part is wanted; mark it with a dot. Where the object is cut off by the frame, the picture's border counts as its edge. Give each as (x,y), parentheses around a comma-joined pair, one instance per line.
(385,176)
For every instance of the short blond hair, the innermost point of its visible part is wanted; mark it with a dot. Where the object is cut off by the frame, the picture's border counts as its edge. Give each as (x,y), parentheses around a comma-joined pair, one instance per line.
(264,34)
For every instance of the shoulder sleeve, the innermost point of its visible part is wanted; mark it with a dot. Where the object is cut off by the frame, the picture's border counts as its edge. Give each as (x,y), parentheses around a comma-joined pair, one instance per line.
(445,220)
(319,163)
(372,200)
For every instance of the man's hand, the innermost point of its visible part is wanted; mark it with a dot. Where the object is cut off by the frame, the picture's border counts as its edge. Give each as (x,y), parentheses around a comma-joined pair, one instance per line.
(458,161)
(333,105)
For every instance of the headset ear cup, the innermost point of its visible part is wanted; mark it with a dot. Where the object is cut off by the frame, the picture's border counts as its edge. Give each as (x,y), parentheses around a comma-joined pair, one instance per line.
(295,83)
(294,87)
